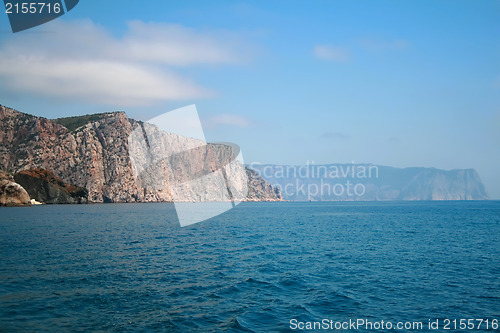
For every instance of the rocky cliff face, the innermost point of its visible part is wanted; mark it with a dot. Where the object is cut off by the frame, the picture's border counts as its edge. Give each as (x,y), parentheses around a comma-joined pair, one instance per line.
(259,189)
(92,153)
(11,193)
(364,182)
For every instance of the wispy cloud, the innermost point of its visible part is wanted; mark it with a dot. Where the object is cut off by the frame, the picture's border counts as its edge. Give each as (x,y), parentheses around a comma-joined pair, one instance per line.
(227,120)
(334,136)
(344,53)
(100,81)
(174,44)
(333,53)
(82,61)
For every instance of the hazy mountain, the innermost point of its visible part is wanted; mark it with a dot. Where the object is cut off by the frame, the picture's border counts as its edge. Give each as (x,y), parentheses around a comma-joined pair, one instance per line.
(363,182)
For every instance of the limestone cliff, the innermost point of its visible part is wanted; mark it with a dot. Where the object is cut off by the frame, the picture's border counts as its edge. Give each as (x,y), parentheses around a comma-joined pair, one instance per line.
(89,152)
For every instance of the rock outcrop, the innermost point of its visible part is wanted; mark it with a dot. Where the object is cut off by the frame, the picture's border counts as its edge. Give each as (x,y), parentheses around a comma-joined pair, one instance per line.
(90,152)
(259,189)
(43,186)
(11,193)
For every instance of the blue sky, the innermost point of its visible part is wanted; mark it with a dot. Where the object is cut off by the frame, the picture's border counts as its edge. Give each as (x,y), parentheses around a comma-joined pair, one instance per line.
(400,83)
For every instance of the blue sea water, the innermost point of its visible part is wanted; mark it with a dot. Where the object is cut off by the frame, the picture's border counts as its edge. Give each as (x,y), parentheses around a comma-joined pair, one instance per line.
(130,267)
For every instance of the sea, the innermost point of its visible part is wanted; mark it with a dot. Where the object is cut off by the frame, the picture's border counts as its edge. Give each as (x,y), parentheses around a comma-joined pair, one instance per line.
(260,267)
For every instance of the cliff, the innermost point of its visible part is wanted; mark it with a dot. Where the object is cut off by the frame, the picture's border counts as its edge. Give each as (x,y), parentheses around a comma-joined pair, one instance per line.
(366,182)
(259,189)
(43,186)
(93,153)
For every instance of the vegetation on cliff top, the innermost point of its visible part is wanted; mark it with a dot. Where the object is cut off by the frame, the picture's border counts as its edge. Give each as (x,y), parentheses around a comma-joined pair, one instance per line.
(72,123)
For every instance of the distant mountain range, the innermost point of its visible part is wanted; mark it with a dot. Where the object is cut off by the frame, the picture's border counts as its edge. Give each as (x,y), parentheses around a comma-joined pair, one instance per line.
(367,182)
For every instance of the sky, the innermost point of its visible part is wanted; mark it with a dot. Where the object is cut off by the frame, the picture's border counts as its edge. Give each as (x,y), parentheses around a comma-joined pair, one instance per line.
(397,83)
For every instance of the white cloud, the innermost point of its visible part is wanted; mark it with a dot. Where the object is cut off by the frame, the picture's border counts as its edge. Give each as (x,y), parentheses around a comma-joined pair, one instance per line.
(328,52)
(82,61)
(176,45)
(228,120)
(100,81)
